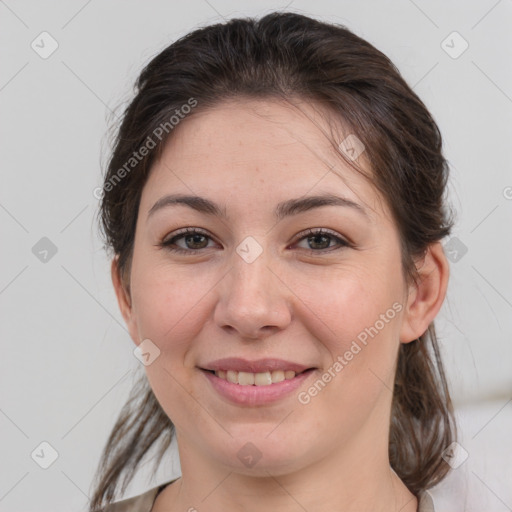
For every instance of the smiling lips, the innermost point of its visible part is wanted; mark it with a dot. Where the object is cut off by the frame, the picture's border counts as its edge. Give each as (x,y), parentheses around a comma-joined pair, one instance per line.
(262,372)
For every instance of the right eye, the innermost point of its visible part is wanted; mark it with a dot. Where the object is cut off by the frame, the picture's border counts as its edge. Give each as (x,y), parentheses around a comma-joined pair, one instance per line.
(194,240)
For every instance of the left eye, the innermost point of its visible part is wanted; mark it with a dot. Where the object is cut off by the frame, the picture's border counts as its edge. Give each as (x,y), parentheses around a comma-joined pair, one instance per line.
(319,240)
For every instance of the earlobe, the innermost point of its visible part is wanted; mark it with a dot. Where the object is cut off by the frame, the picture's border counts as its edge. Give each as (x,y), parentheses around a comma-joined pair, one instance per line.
(426,298)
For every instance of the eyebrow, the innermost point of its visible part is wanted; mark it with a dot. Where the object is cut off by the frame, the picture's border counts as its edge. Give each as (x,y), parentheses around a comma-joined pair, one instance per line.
(284,209)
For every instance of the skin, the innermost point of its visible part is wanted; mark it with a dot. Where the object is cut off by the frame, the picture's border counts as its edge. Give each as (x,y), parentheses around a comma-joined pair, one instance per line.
(291,303)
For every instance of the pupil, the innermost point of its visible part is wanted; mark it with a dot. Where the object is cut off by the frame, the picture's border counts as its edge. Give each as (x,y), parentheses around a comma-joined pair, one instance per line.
(194,239)
(325,238)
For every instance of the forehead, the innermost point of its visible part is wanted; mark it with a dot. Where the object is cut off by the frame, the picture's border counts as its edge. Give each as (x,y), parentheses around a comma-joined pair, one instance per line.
(243,148)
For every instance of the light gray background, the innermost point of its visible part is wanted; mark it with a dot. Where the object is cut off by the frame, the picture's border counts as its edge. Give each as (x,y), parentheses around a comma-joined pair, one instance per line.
(67,361)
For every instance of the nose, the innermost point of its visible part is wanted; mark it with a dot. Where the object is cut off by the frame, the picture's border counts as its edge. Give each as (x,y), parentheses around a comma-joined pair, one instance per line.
(254,303)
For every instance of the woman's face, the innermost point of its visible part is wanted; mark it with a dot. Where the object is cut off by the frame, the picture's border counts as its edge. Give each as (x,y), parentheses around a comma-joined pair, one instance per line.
(255,285)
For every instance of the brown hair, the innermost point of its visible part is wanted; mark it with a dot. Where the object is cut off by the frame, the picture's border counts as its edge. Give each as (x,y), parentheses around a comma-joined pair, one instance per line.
(287,55)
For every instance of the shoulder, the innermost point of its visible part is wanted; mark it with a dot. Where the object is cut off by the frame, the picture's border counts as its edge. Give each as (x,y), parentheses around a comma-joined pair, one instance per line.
(425,502)
(140,503)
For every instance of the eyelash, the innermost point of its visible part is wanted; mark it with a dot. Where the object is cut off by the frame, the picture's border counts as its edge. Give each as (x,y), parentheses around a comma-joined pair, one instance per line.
(167,244)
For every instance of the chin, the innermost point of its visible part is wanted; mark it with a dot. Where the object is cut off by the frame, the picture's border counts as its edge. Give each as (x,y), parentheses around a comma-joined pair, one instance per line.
(261,456)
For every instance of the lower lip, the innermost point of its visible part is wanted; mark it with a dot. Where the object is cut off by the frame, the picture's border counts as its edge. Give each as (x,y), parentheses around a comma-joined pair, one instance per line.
(256,395)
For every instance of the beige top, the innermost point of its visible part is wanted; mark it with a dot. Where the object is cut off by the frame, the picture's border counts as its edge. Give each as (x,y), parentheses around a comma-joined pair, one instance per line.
(144,502)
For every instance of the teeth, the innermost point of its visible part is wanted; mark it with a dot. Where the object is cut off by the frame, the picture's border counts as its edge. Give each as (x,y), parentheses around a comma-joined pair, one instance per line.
(246,379)
(260,379)
(279,375)
(256,379)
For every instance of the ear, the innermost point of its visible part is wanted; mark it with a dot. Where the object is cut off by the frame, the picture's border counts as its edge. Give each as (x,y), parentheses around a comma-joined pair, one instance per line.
(426,298)
(124,300)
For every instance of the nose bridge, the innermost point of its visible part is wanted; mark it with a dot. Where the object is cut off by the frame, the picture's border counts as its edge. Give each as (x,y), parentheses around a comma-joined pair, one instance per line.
(251,297)
(251,283)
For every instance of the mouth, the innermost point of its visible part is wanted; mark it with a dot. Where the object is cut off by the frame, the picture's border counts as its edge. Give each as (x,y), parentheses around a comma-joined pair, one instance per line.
(258,389)
(258,382)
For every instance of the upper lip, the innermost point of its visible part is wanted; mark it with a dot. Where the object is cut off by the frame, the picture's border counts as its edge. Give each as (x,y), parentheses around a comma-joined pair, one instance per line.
(258,366)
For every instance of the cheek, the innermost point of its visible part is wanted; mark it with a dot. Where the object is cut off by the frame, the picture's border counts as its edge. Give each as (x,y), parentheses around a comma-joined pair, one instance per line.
(170,310)
(169,305)
(356,319)
(343,306)
(357,324)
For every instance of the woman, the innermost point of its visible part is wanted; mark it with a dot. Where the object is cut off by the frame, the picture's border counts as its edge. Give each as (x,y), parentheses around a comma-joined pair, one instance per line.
(274,206)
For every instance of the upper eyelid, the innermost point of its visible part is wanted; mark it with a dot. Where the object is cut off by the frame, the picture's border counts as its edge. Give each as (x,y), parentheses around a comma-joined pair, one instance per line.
(186,231)
(318,231)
